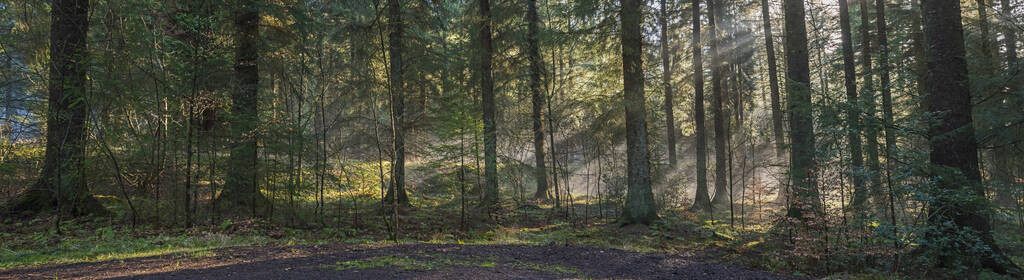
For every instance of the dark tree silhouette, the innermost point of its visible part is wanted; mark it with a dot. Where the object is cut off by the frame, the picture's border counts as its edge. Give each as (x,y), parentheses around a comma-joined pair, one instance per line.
(61,184)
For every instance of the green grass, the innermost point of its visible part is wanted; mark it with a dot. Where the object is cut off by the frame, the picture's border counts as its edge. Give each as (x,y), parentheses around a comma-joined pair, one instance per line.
(89,249)
(434,262)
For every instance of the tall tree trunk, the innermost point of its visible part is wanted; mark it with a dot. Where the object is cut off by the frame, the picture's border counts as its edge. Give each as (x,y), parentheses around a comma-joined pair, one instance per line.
(868,103)
(639,198)
(717,112)
(666,80)
(536,69)
(986,37)
(953,146)
(61,184)
(860,194)
(887,112)
(1004,154)
(1009,35)
(702,200)
(773,81)
(397,89)
(240,188)
(804,196)
(917,46)
(487,87)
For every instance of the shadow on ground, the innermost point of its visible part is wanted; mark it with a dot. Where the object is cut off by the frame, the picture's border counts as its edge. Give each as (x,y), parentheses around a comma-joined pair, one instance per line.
(406,261)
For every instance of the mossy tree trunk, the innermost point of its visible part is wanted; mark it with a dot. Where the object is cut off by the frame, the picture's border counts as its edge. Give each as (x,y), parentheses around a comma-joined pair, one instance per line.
(639,207)
(61,184)
(959,199)
(804,195)
(241,187)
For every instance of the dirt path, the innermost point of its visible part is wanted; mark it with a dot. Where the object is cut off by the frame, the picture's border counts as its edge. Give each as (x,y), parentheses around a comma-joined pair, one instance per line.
(412,261)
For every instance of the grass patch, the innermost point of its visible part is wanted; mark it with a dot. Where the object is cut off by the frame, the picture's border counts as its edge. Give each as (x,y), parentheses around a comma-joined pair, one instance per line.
(74,250)
(434,262)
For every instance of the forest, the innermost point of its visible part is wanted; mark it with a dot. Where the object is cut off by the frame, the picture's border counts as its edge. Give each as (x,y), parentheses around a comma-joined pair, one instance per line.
(511,139)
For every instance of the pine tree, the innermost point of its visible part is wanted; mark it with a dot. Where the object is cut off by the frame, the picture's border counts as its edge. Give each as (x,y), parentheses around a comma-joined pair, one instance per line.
(804,194)
(61,184)
(959,200)
(702,200)
(639,207)
(487,92)
(536,69)
(397,91)
(666,81)
(860,194)
(241,187)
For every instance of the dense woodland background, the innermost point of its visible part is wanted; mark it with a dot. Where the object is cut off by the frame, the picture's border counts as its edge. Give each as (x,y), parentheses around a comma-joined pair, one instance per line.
(824,136)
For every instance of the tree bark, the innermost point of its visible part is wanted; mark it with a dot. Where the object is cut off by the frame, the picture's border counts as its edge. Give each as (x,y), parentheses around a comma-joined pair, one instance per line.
(639,207)
(717,112)
(666,80)
(61,183)
(702,200)
(860,194)
(1004,174)
(397,89)
(804,196)
(888,118)
(953,153)
(773,81)
(986,37)
(240,188)
(487,87)
(536,69)
(868,103)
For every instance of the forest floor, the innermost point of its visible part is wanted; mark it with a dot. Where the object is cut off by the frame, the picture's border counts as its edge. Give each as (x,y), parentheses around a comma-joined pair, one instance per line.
(520,243)
(402,261)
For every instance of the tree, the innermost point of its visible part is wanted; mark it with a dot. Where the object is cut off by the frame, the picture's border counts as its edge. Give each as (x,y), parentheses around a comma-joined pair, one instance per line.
(986,38)
(718,115)
(639,207)
(397,89)
(959,199)
(868,103)
(888,120)
(773,81)
(536,70)
(1003,171)
(1009,35)
(702,200)
(852,115)
(487,92)
(666,80)
(61,183)
(804,194)
(241,188)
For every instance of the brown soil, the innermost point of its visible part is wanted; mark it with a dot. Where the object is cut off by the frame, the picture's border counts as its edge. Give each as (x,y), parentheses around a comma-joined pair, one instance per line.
(470,262)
